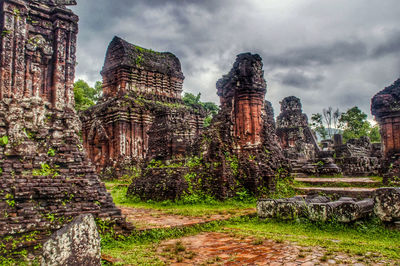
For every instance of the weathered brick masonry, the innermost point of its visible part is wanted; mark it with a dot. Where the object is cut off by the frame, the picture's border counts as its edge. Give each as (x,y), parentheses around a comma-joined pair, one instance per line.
(385,106)
(241,141)
(45,177)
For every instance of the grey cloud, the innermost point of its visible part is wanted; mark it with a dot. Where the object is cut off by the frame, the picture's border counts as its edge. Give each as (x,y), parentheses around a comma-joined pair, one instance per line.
(390,46)
(319,55)
(299,79)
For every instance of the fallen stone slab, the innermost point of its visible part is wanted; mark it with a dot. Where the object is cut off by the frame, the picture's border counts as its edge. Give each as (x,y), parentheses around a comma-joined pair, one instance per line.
(316,208)
(322,211)
(287,209)
(78,243)
(387,204)
(349,211)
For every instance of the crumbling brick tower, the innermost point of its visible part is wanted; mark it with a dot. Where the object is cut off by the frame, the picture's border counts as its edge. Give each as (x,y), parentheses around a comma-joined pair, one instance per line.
(385,106)
(243,91)
(295,136)
(244,131)
(141,100)
(45,177)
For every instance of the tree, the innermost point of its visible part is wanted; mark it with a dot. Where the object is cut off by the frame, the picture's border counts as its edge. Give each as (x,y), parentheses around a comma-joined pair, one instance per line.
(374,134)
(318,126)
(355,125)
(331,119)
(86,96)
(211,108)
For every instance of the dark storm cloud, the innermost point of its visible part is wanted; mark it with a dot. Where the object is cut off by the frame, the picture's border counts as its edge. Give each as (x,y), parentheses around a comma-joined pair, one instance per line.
(319,55)
(299,79)
(391,46)
(328,53)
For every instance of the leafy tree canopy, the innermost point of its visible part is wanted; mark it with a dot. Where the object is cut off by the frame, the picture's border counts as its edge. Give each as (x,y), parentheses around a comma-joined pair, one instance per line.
(211,108)
(318,125)
(86,96)
(355,125)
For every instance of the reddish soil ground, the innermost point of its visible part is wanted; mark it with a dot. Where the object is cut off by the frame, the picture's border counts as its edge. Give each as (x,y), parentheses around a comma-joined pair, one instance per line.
(144,219)
(227,249)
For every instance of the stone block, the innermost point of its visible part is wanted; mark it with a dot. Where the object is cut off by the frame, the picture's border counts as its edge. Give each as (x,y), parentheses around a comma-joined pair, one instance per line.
(77,243)
(387,204)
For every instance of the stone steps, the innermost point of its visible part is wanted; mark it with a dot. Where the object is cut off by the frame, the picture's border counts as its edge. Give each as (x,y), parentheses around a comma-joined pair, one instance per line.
(353,192)
(297,168)
(345,181)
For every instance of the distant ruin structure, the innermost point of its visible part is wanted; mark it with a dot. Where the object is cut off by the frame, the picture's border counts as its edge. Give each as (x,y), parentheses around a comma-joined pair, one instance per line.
(385,106)
(141,115)
(358,157)
(45,177)
(295,136)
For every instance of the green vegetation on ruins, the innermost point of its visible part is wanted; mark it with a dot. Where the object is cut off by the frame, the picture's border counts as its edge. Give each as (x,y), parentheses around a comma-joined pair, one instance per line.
(211,108)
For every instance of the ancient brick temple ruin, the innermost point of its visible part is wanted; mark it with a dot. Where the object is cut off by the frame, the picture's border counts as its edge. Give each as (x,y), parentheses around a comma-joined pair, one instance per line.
(295,136)
(45,177)
(385,106)
(141,115)
(238,151)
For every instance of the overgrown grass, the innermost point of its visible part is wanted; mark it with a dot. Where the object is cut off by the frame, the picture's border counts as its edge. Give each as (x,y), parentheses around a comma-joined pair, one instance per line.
(189,206)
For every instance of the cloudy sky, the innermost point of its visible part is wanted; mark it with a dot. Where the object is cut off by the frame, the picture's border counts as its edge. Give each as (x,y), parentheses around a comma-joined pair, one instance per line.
(328,53)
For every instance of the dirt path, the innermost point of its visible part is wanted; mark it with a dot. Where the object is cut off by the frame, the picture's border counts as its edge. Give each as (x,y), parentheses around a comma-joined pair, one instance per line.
(144,219)
(225,249)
